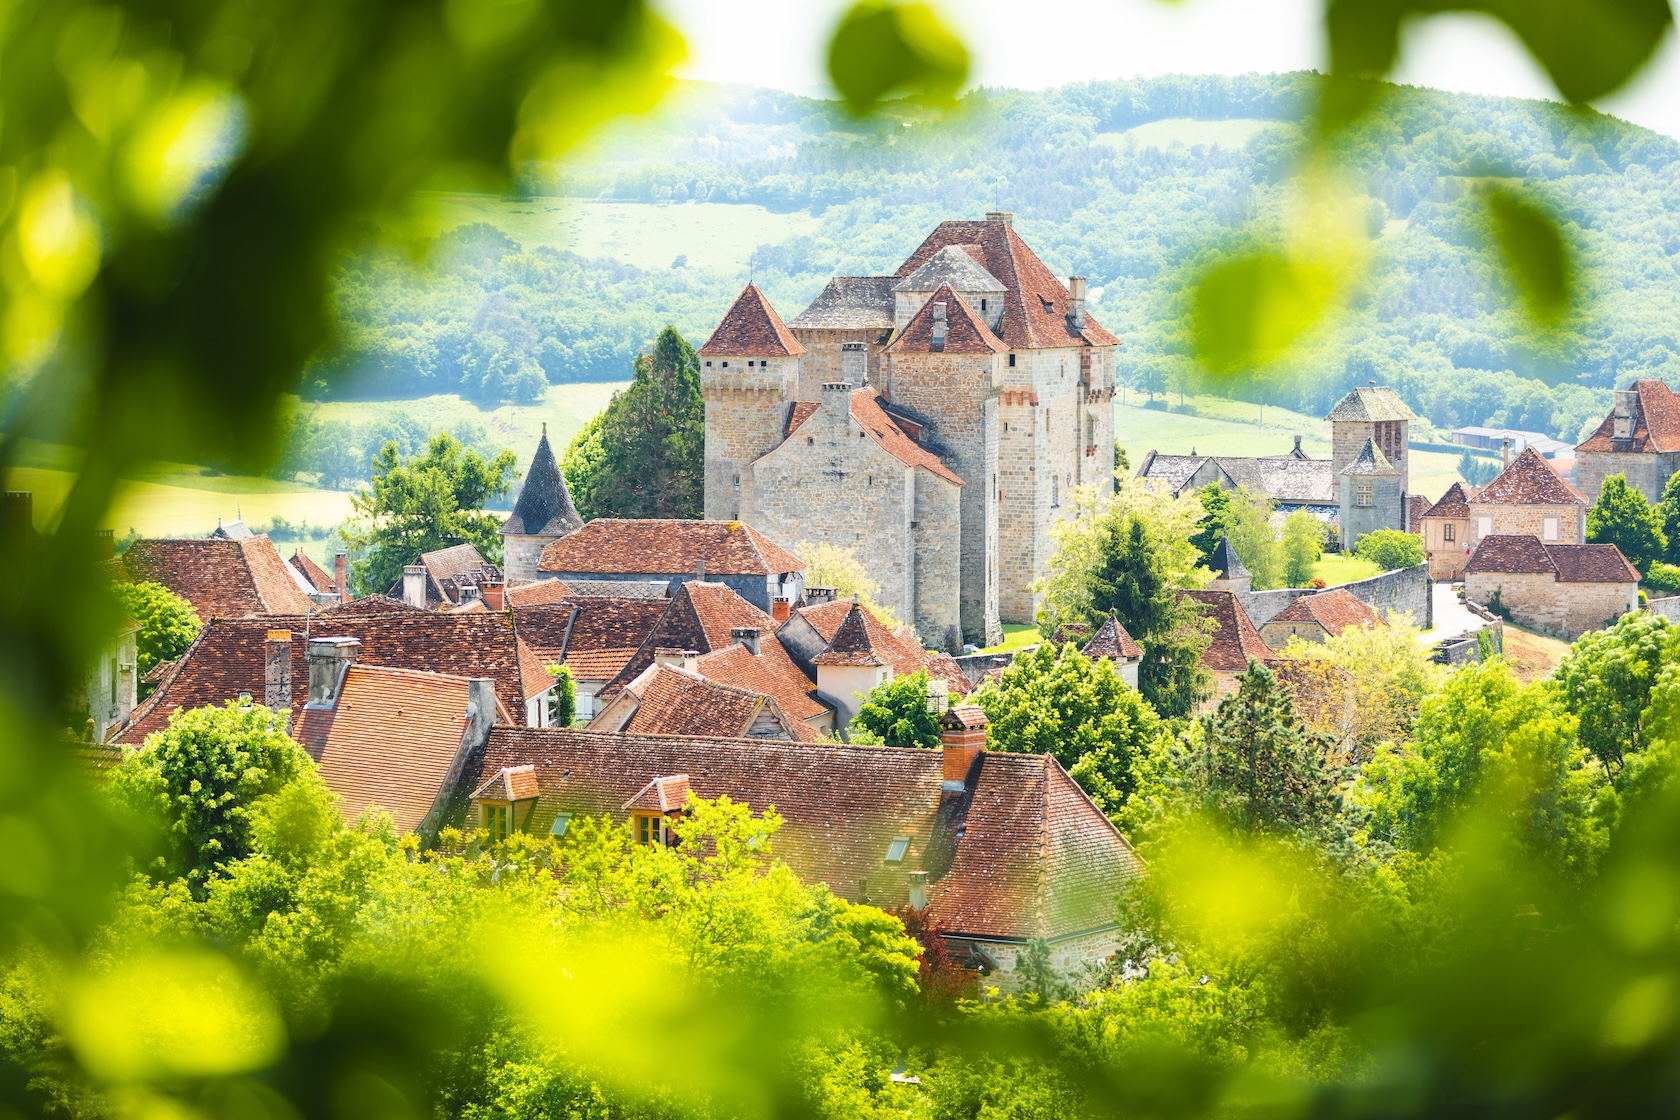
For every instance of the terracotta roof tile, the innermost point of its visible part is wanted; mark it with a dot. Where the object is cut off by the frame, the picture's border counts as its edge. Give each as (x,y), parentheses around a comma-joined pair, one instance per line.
(1235,640)
(944,667)
(771,672)
(964,333)
(854,644)
(220,578)
(537,591)
(533,672)
(1510,554)
(391,741)
(609,546)
(720,609)
(599,665)
(316,575)
(372,605)
(1591,563)
(884,430)
(798,413)
(825,618)
(228,658)
(1416,506)
(510,783)
(571,628)
(672,701)
(1334,610)
(1656,415)
(1035,303)
(750,328)
(1529,481)
(1112,641)
(1455,503)
(1020,853)
(664,794)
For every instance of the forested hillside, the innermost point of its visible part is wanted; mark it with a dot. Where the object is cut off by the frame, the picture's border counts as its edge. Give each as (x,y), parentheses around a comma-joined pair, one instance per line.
(1129,183)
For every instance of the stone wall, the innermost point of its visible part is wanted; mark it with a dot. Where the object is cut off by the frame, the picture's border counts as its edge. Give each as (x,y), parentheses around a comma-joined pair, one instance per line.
(1668,607)
(822,364)
(1540,602)
(1075,957)
(937,536)
(520,555)
(1386,511)
(1406,590)
(746,410)
(1513,520)
(1467,646)
(1648,473)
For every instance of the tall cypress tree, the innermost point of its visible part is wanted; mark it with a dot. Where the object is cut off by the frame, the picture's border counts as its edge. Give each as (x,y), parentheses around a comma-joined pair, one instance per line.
(653,438)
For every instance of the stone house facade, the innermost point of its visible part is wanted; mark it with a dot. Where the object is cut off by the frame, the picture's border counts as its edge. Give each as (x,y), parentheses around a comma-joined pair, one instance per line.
(1528,498)
(980,356)
(1639,439)
(1446,533)
(1559,589)
(1372,492)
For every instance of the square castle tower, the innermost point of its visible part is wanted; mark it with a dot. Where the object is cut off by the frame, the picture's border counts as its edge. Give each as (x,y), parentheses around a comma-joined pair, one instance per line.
(934,421)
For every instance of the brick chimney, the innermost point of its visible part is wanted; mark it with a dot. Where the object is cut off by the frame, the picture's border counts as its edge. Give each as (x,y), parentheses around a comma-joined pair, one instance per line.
(1076,302)
(962,738)
(277,671)
(494,599)
(341,576)
(414,585)
(781,608)
(329,659)
(745,636)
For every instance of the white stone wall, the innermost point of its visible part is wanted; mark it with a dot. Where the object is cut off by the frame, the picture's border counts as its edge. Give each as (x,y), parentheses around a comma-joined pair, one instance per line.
(520,555)
(1540,602)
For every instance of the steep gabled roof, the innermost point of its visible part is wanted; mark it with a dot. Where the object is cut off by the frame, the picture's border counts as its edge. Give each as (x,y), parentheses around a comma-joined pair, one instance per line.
(510,783)
(671,701)
(853,643)
(954,267)
(1371,404)
(751,328)
(771,672)
(1035,304)
(544,508)
(1510,554)
(1235,640)
(884,430)
(964,332)
(1656,416)
(1513,554)
(1370,460)
(1020,852)
(1333,610)
(609,546)
(1454,503)
(312,572)
(220,578)
(1529,481)
(850,303)
(581,627)
(1112,641)
(1172,471)
(1225,563)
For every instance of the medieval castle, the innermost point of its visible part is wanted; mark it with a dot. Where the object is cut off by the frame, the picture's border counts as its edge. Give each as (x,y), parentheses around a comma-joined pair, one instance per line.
(934,421)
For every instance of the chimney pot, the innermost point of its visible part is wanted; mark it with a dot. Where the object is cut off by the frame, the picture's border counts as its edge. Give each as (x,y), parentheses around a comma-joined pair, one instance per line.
(414,585)
(277,671)
(329,658)
(962,739)
(781,608)
(747,636)
(918,890)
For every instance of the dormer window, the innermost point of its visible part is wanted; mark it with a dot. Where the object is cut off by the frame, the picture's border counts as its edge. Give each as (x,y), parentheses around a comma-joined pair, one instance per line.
(506,801)
(897,849)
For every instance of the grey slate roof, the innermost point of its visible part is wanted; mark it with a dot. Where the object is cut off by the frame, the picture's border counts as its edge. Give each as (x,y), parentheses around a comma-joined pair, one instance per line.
(544,508)
(1371,403)
(850,303)
(620,588)
(1172,470)
(1225,563)
(951,265)
(1284,478)
(1370,460)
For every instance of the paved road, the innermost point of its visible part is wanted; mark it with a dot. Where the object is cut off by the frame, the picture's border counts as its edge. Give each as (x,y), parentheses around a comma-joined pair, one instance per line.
(1452,617)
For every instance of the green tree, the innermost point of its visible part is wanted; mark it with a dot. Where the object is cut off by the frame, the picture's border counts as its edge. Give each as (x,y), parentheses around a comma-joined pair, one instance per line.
(1623,517)
(1258,769)
(415,505)
(1391,549)
(565,696)
(1303,545)
(168,623)
(1606,681)
(1254,538)
(204,778)
(1054,700)
(1216,519)
(653,437)
(581,467)
(1668,518)
(1130,579)
(896,714)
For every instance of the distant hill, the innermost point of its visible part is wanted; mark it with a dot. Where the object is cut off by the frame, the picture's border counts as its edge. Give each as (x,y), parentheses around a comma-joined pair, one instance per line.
(1125,182)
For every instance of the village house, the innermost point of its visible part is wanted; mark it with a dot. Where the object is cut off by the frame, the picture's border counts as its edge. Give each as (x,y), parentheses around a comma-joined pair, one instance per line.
(112,683)
(1639,439)
(453,577)
(1559,589)
(961,401)
(671,697)
(1317,617)
(1293,481)
(998,849)
(1528,498)
(542,514)
(1235,642)
(593,637)
(324,588)
(259,659)
(672,551)
(221,578)
(1446,533)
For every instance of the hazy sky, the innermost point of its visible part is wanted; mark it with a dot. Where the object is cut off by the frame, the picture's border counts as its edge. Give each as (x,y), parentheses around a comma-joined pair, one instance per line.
(1040,43)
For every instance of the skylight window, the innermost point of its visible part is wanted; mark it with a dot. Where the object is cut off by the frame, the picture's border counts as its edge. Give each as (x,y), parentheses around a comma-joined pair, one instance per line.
(896,850)
(562,821)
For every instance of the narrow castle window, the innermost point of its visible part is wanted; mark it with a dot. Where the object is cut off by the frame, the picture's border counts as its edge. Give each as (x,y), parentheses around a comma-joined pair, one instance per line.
(1055,492)
(1011,361)
(982,305)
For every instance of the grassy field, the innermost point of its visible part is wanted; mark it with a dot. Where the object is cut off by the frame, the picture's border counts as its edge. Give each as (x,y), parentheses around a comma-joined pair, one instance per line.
(1342,568)
(1530,655)
(648,235)
(565,409)
(1238,428)
(156,508)
(1015,636)
(1182,130)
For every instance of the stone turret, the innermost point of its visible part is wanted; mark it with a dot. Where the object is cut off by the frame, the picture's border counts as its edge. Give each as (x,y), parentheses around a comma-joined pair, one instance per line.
(1370,429)
(749,374)
(543,513)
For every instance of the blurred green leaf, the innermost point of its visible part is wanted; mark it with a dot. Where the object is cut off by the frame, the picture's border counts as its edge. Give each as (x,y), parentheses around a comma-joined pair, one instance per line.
(883,49)
(1539,262)
(1248,308)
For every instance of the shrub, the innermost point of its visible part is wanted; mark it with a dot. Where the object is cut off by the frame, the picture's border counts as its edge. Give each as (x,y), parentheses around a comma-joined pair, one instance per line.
(1390,549)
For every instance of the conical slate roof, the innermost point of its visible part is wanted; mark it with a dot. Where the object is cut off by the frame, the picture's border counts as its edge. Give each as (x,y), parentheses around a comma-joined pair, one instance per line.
(544,508)
(1370,460)
(1225,562)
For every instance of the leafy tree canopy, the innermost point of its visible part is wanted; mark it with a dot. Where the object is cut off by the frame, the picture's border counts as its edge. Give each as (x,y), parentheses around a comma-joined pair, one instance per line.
(168,623)
(896,714)
(1623,517)
(653,436)
(1390,549)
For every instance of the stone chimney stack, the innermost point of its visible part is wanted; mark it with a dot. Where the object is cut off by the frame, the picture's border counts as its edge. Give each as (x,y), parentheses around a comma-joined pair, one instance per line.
(1504,452)
(1007,217)
(700,571)
(684,659)
(939,326)
(918,890)
(414,585)
(819,594)
(745,636)
(962,739)
(277,671)
(1622,416)
(481,709)
(854,362)
(341,576)
(329,659)
(1076,302)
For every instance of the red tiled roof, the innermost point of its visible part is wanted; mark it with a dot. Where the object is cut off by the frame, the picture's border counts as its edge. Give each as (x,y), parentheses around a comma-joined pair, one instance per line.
(773,673)
(672,701)
(798,413)
(1020,853)
(220,578)
(510,783)
(609,546)
(854,644)
(390,742)
(1035,303)
(228,658)
(825,618)
(720,609)
(1656,415)
(600,664)
(1416,505)
(1570,563)
(1333,610)
(533,672)
(1529,481)
(964,334)
(309,570)
(871,417)
(538,591)
(662,795)
(751,328)
(372,605)
(1455,503)
(944,667)
(572,628)
(1235,641)
(1112,641)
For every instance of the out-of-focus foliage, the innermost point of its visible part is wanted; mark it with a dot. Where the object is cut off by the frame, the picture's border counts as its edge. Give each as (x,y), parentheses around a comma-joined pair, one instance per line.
(887,47)
(1391,549)
(424,503)
(896,714)
(1622,516)
(168,623)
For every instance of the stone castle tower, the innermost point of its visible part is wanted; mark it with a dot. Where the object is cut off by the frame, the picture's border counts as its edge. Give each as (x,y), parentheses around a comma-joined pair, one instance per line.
(977,360)
(1369,433)
(543,513)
